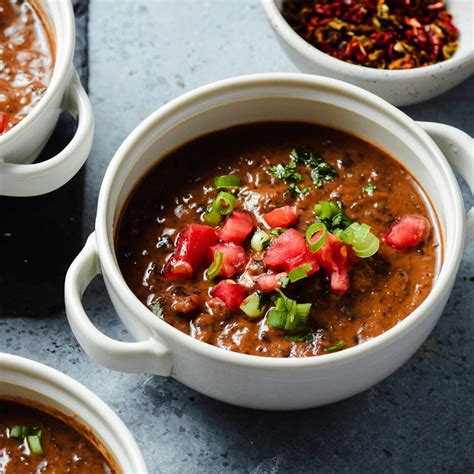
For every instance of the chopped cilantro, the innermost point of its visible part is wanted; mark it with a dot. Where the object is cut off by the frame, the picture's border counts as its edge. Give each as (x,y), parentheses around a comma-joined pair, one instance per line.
(306,156)
(277,232)
(332,215)
(286,172)
(300,337)
(301,192)
(322,173)
(370,189)
(336,347)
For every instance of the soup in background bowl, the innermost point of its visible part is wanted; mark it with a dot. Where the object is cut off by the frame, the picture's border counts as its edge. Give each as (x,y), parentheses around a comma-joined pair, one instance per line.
(27,57)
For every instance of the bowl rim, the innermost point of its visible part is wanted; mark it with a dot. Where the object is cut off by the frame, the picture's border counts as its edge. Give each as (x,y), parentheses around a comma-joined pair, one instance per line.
(37,371)
(313,54)
(112,273)
(60,69)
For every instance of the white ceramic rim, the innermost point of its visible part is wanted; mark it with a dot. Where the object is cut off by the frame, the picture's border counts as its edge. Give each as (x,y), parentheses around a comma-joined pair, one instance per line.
(61,67)
(452,250)
(316,56)
(64,383)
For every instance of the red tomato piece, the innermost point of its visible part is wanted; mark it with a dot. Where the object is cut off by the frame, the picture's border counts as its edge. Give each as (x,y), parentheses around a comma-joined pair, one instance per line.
(230,292)
(407,232)
(191,249)
(234,260)
(288,246)
(302,259)
(270,281)
(336,258)
(281,217)
(4,119)
(236,228)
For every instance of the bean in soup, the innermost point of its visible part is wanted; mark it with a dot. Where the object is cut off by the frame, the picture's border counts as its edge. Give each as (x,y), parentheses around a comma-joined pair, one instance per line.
(26,60)
(279,239)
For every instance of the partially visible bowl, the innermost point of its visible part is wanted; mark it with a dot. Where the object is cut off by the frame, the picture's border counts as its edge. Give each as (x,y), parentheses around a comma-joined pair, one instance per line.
(399,87)
(40,384)
(21,145)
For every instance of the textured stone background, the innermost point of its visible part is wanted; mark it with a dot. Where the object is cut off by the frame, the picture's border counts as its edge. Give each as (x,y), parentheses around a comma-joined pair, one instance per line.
(142,54)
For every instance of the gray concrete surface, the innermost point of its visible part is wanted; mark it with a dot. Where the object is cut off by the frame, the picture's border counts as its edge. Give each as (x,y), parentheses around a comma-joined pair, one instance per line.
(142,54)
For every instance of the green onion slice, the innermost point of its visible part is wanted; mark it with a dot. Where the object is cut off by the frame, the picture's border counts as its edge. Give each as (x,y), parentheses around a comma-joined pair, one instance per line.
(215,266)
(213,217)
(34,442)
(230,181)
(313,229)
(336,347)
(287,314)
(252,306)
(259,240)
(17,432)
(364,243)
(300,272)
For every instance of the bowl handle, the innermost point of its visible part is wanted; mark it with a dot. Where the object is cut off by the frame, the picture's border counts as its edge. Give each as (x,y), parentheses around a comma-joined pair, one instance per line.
(458,147)
(149,356)
(18,179)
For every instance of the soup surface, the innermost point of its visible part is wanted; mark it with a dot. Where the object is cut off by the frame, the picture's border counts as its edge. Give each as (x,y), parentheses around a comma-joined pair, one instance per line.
(26,60)
(64,449)
(247,275)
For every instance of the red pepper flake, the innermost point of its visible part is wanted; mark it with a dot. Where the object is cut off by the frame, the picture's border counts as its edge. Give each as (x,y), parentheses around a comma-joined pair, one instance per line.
(383,34)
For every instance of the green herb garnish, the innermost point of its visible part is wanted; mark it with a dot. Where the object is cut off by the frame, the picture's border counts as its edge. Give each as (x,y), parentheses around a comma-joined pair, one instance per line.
(260,240)
(370,189)
(253,305)
(287,314)
(215,266)
(299,273)
(156,309)
(230,181)
(283,281)
(277,232)
(336,347)
(300,192)
(32,435)
(332,215)
(222,206)
(364,243)
(287,172)
(300,337)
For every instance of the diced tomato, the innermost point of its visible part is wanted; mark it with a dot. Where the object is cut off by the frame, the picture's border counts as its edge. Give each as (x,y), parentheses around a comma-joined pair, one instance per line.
(287,246)
(236,228)
(230,292)
(234,260)
(302,259)
(4,119)
(281,217)
(191,249)
(336,258)
(270,281)
(407,232)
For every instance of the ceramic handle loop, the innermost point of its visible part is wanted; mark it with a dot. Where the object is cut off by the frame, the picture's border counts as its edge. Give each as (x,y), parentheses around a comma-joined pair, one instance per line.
(41,178)
(458,147)
(148,356)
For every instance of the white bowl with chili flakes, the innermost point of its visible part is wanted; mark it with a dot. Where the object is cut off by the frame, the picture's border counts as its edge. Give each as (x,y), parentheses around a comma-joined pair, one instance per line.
(31,384)
(249,380)
(400,87)
(21,144)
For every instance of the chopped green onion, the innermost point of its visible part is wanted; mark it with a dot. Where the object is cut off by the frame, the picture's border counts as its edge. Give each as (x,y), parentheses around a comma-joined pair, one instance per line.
(277,232)
(332,215)
(283,281)
(213,217)
(300,272)
(34,442)
(215,266)
(336,347)
(17,432)
(231,181)
(287,314)
(364,243)
(313,229)
(259,240)
(299,337)
(223,205)
(252,306)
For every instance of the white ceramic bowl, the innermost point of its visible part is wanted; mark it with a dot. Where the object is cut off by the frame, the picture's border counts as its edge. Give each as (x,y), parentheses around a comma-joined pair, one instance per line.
(20,146)
(38,383)
(246,380)
(401,87)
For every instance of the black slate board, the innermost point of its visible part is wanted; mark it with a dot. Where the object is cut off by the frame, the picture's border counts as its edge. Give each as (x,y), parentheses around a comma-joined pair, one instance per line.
(40,236)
